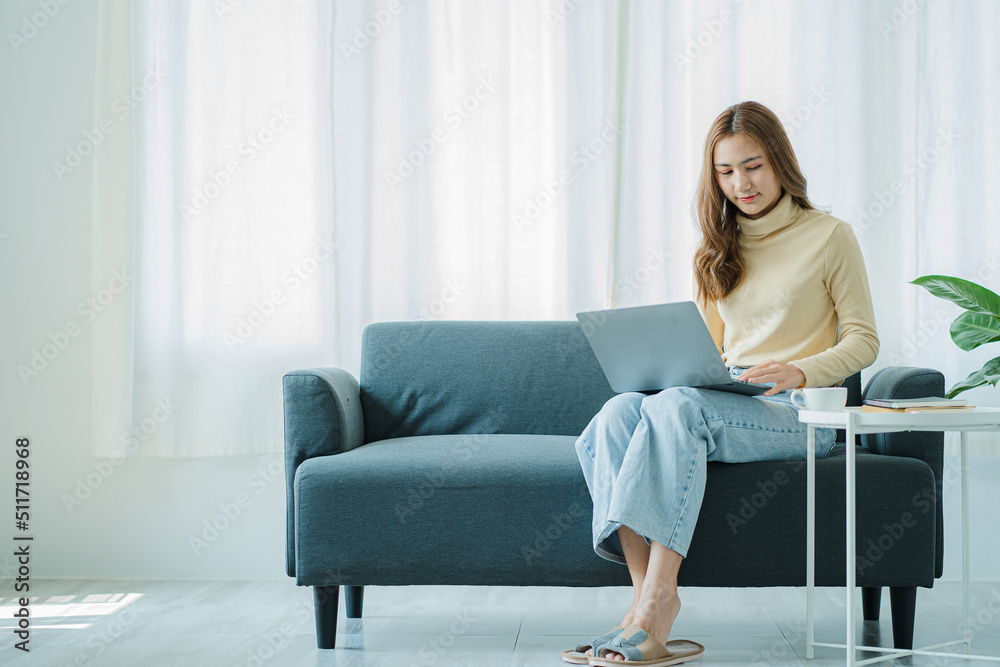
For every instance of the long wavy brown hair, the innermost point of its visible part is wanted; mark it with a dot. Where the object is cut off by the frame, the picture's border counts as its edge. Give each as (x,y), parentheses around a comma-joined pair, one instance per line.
(718,264)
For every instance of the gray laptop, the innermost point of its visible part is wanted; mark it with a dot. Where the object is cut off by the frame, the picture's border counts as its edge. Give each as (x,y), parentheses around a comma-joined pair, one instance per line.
(650,348)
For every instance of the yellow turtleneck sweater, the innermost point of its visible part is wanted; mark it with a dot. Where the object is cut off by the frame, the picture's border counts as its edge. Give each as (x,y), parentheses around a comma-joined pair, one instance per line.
(804,299)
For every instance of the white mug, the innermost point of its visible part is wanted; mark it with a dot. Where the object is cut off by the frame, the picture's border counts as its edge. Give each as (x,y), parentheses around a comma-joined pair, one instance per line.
(821,399)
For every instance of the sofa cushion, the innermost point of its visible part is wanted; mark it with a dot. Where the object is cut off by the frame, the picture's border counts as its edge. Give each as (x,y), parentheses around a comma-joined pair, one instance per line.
(487,509)
(501,510)
(435,378)
(753,523)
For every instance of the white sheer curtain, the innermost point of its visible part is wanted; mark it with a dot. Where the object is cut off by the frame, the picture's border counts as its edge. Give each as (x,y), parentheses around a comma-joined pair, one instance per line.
(231,240)
(305,168)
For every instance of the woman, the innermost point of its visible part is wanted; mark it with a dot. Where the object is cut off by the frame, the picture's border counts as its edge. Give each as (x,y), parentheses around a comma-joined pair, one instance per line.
(784,292)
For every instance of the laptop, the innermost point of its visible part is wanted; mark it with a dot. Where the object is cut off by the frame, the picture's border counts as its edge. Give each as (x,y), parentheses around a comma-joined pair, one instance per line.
(649,348)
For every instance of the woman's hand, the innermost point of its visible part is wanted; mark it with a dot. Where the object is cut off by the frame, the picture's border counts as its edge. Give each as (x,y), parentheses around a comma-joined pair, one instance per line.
(784,376)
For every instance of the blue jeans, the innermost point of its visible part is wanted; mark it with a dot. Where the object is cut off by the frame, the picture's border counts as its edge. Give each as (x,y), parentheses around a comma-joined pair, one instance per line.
(644,456)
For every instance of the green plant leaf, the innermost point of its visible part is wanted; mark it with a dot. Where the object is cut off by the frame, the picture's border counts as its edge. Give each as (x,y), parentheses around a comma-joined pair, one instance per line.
(988,374)
(968,295)
(970,330)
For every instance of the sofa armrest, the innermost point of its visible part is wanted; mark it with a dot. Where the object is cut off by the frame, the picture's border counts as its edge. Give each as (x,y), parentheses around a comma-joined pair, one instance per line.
(905,382)
(322,416)
(909,382)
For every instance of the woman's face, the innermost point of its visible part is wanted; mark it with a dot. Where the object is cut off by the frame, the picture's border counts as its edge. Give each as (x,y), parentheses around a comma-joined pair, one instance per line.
(745,177)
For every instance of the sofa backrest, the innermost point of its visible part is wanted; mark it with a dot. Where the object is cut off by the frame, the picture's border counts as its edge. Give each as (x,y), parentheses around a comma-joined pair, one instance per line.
(441,377)
(853,385)
(431,377)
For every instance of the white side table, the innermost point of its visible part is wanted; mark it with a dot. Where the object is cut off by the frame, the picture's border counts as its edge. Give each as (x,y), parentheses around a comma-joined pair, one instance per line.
(854,422)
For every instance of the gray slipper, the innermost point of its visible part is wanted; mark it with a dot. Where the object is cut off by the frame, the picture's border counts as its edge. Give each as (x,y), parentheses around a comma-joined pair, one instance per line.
(639,648)
(577,655)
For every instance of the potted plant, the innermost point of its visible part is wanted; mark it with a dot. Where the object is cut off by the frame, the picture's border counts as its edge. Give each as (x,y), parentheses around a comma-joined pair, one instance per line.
(979,324)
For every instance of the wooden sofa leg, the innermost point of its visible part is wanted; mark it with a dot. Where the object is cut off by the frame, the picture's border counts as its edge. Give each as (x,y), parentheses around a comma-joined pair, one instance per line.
(903,602)
(871,602)
(355,600)
(326,600)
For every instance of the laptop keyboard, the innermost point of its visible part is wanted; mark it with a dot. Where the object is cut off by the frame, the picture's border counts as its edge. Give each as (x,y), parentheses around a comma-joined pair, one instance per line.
(736,370)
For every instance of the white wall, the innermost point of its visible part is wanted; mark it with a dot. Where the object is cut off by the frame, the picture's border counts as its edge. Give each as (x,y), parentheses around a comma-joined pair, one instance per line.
(137,522)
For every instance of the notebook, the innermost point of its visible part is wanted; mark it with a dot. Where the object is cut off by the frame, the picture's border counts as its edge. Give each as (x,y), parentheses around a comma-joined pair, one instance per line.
(649,348)
(926,402)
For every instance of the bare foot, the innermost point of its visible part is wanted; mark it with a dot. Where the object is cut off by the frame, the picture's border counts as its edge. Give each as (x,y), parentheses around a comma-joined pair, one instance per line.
(627,620)
(656,613)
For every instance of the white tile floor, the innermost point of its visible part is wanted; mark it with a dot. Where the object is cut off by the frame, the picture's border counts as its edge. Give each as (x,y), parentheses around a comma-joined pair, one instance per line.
(250,624)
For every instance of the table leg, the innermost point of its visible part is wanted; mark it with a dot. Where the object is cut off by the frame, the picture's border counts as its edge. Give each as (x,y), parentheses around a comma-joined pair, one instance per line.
(966,568)
(851,537)
(810,540)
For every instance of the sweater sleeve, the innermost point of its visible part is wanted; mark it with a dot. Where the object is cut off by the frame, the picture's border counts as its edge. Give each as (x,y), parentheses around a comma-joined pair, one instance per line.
(710,313)
(846,280)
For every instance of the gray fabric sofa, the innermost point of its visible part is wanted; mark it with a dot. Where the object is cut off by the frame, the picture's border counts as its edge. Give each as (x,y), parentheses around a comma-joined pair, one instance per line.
(453,462)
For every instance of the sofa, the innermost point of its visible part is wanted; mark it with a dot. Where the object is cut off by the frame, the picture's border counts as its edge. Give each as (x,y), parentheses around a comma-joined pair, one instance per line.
(453,462)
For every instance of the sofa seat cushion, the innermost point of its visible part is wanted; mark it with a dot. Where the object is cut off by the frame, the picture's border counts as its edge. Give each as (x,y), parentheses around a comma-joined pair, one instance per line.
(488,509)
(752,525)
